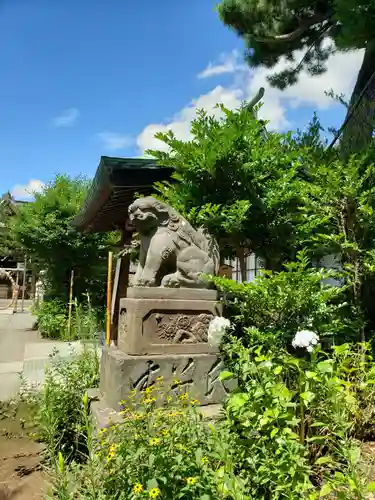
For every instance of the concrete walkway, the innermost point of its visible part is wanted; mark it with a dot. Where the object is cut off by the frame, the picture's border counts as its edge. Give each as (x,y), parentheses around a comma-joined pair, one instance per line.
(15,332)
(24,352)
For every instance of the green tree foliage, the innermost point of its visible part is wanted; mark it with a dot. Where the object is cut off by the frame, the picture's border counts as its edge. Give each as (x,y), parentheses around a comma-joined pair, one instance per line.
(339,208)
(44,231)
(7,247)
(238,183)
(273,29)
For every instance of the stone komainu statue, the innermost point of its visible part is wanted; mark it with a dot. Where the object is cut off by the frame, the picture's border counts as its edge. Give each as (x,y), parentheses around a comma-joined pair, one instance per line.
(172,253)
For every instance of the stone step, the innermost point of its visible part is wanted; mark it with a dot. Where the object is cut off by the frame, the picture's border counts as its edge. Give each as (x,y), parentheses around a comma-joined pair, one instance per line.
(31,371)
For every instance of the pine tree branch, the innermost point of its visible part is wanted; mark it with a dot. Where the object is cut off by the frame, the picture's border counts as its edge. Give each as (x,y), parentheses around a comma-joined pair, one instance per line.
(259,95)
(305,25)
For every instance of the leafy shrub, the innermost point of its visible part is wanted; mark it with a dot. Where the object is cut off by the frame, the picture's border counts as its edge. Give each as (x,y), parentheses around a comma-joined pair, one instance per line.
(52,320)
(156,452)
(59,405)
(294,421)
(288,434)
(278,304)
(356,367)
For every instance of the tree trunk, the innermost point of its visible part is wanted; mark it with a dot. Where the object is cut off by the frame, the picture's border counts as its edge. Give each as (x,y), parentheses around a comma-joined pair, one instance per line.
(242,261)
(360,118)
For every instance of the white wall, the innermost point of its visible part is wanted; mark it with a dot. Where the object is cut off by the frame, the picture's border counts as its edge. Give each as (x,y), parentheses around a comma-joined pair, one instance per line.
(253,266)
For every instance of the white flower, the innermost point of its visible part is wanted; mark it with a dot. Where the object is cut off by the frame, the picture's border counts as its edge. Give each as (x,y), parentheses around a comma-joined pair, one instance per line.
(216,329)
(267,364)
(306,339)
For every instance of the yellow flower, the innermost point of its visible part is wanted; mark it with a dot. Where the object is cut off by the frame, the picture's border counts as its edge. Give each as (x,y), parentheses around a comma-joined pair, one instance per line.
(149,400)
(165,432)
(154,492)
(154,441)
(149,389)
(112,451)
(132,394)
(184,396)
(174,413)
(191,481)
(194,402)
(182,447)
(204,460)
(137,488)
(159,379)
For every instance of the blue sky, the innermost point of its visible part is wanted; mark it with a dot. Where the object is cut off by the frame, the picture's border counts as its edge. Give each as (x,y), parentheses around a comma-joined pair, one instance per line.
(85,78)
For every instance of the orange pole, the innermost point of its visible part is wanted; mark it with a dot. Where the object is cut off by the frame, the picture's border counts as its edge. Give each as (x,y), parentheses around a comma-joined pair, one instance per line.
(70,301)
(109,299)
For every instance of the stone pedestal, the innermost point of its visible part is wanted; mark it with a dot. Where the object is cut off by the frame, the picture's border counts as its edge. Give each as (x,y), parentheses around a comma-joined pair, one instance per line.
(166,320)
(162,333)
(198,374)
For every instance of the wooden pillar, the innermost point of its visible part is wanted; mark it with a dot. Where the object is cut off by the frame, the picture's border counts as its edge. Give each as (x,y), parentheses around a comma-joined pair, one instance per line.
(33,282)
(23,283)
(120,284)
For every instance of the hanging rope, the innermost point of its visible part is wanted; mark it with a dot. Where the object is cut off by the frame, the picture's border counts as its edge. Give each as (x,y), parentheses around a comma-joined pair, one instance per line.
(15,288)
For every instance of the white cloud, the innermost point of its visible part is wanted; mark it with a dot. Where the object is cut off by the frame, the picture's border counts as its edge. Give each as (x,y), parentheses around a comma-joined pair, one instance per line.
(308,91)
(67,118)
(26,191)
(228,63)
(180,123)
(113,141)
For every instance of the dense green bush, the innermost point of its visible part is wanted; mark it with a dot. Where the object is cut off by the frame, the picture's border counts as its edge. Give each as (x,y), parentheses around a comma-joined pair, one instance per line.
(288,434)
(59,415)
(156,452)
(294,419)
(278,304)
(52,320)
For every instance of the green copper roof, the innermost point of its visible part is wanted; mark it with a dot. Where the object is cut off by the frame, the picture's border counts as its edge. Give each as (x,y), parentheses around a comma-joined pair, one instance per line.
(113,189)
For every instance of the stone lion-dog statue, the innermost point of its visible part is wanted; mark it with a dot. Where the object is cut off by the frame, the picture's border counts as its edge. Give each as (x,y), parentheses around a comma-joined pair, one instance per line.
(172,253)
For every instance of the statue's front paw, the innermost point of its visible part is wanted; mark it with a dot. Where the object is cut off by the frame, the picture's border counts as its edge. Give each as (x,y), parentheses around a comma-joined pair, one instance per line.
(170,281)
(146,281)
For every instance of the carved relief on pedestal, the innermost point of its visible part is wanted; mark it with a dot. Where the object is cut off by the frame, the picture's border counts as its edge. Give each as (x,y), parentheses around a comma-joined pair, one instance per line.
(198,376)
(180,328)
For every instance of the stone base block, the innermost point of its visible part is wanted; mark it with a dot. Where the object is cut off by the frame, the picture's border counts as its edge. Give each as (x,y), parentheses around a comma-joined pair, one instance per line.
(104,416)
(166,320)
(198,375)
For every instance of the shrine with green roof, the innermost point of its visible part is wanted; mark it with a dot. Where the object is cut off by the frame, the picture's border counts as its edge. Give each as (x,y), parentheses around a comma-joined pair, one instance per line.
(116,183)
